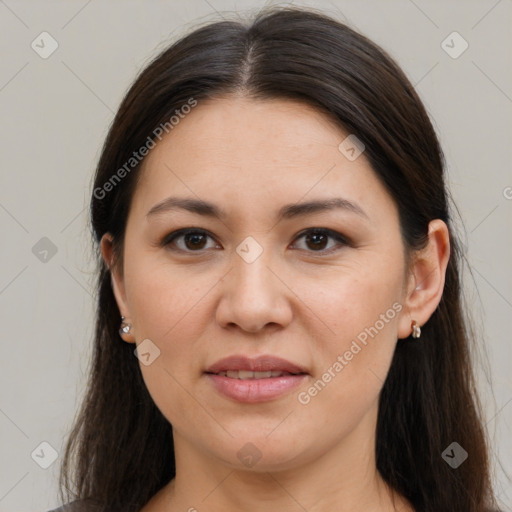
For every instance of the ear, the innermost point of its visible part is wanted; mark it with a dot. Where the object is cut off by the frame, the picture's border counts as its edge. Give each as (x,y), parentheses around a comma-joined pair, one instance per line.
(426,278)
(117,280)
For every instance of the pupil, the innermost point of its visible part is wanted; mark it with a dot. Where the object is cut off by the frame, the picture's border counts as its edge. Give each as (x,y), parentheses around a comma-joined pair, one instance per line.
(195,237)
(315,243)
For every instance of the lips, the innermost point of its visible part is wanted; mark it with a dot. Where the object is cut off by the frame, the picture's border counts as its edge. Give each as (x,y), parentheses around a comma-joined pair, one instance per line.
(258,364)
(247,374)
(253,380)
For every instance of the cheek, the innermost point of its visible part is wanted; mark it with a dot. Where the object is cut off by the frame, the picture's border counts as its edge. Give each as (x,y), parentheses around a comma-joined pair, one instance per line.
(168,309)
(361,310)
(165,300)
(349,300)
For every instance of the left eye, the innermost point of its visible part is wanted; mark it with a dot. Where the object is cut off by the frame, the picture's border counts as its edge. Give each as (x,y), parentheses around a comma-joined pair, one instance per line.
(318,238)
(194,240)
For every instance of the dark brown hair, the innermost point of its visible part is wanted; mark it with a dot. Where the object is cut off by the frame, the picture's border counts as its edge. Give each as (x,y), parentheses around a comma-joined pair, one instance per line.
(120,451)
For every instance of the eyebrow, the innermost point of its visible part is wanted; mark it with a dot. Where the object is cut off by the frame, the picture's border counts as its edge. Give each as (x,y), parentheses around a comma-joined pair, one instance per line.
(288,211)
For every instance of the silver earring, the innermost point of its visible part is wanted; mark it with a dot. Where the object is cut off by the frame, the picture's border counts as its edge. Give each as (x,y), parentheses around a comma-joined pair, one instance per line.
(416,329)
(125,327)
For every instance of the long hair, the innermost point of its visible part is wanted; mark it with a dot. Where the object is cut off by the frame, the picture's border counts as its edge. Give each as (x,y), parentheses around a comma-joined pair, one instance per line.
(120,450)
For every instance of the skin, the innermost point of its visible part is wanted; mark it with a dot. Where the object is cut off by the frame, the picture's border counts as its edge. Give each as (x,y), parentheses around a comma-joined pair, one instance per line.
(250,158)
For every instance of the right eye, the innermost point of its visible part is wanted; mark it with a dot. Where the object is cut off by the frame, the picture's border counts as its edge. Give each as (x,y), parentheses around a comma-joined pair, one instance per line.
(192,240)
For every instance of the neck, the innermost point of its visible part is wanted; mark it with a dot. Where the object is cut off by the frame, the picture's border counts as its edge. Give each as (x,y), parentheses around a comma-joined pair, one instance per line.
(344,478)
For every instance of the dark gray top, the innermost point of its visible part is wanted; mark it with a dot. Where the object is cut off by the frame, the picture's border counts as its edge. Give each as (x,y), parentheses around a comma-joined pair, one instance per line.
(81,506)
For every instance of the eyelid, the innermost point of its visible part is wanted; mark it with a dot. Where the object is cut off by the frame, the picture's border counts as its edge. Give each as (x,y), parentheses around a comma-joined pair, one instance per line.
(341,239)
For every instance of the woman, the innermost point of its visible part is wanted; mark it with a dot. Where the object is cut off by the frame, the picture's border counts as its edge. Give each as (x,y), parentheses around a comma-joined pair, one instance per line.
(276,248)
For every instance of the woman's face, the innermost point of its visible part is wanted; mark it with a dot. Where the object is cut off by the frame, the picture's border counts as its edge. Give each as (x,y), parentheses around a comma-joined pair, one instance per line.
(254,285)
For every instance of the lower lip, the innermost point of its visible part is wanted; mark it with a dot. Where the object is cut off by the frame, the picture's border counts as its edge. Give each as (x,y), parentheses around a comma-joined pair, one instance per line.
(255,390)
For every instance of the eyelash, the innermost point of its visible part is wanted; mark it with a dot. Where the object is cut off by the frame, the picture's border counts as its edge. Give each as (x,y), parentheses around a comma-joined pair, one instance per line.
(342,240)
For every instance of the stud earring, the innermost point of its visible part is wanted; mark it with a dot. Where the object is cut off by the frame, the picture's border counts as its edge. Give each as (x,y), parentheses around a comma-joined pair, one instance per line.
(125,327)
(416,329)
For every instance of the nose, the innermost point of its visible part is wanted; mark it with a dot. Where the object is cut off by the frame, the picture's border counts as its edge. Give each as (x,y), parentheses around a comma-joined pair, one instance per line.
(254,297)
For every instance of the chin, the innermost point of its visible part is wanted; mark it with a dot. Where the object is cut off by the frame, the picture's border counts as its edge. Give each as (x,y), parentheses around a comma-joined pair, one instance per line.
(256,451)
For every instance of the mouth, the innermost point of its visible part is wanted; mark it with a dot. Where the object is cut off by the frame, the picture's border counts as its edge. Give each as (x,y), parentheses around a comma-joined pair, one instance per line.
(247,374)
(255,365)
(253,380)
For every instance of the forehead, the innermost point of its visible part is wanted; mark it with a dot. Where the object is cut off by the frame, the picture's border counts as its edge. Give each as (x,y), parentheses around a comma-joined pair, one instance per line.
(244,129)
(256,152)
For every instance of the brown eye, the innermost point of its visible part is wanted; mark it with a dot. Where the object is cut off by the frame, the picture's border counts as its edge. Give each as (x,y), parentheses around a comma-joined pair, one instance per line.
(188,240)
(194,240)
(317,240)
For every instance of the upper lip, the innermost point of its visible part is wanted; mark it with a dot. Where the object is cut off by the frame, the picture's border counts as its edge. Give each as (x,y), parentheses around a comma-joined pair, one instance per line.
(256,364)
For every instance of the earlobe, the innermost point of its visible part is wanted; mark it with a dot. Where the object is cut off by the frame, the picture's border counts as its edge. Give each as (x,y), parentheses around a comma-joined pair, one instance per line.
(126,331)
(427,279)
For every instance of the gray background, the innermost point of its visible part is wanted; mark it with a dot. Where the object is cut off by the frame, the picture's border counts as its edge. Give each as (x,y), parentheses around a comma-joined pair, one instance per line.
(55,115)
